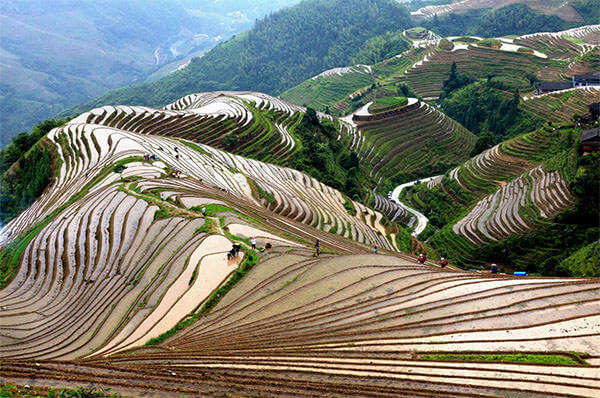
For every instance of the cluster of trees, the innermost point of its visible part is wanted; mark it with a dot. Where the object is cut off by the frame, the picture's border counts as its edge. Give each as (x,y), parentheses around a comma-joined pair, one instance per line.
(487,108)
(325,158)
(381,47)
(25,181)
(25,169)
(279,52)
(515,19)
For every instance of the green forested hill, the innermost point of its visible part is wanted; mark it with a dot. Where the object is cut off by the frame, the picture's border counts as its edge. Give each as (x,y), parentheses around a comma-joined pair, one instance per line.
(514,19)
(54,55)
(279,52)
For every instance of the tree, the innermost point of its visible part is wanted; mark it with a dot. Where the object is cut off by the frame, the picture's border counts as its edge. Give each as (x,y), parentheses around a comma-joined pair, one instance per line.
(485,141)
(119,168)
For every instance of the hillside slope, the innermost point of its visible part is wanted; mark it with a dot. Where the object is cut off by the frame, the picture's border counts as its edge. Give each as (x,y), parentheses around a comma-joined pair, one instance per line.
(279,52)
(54,56)
(565,10)
(358,325)
(527,203)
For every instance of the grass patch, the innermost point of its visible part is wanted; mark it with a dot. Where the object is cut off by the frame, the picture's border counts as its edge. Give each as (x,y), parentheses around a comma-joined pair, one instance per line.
(387,103)
(490,43)
(209,227)
(193,277)
(12,391)
(194,147)
(262,194)
(349,206)
(551,359)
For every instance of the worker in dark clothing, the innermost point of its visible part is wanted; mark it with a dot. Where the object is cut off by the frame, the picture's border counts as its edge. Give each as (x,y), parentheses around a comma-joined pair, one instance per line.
(443,262)
(421,258)
(494,269)
(317,248)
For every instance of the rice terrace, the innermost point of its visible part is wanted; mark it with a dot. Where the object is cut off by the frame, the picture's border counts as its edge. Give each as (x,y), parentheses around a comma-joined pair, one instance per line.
(351,199)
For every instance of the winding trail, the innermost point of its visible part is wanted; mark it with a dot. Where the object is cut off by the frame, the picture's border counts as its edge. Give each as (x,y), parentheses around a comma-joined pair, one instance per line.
(421,219)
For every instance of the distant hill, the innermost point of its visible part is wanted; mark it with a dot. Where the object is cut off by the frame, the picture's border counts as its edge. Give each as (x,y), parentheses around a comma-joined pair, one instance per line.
(572,10)
(279,52)
(58,54)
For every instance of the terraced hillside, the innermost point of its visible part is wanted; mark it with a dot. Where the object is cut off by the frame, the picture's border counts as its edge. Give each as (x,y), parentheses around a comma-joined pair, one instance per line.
(548,56)
(88,150)
(119,239)
(562,9)
(565,44)
(254,123)
(562,105)
(427,77)
(364,326)
(512,204)
(325,90)
(343,93)
(409,141)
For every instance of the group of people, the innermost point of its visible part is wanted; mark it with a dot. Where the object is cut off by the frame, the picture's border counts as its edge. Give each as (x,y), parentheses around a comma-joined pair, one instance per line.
(150,156)
(234,252)
(423,257)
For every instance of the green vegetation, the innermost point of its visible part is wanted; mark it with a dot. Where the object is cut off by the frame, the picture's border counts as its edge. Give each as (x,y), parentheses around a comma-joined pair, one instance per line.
(562,246)
(12,391)
(26,180)
(491,43)
(552,359)
(23,142)
(212,209)
(487,108)
(589,10)
(446,45)
(32,161)
(585,262)
(262,194)
(118,169)
(517,19)
(279,52)
(195,147)
(325,158)
(387,103)
(214,299)
(209,227)
(349,206)
(381,47)
(435,202)
(403,240)
(418,32)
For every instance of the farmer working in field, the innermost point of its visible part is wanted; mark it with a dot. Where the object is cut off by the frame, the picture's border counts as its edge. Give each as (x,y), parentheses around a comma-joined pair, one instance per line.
(443,262)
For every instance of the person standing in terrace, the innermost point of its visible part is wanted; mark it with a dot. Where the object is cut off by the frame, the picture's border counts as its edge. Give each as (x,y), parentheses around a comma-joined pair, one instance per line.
(317,248)
(203,211)
(253,242)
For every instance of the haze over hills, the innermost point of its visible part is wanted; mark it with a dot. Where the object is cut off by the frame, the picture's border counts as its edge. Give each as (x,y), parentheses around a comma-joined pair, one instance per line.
(278,52)
(572,11)
(57,55)
(229,242)
(271,57)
